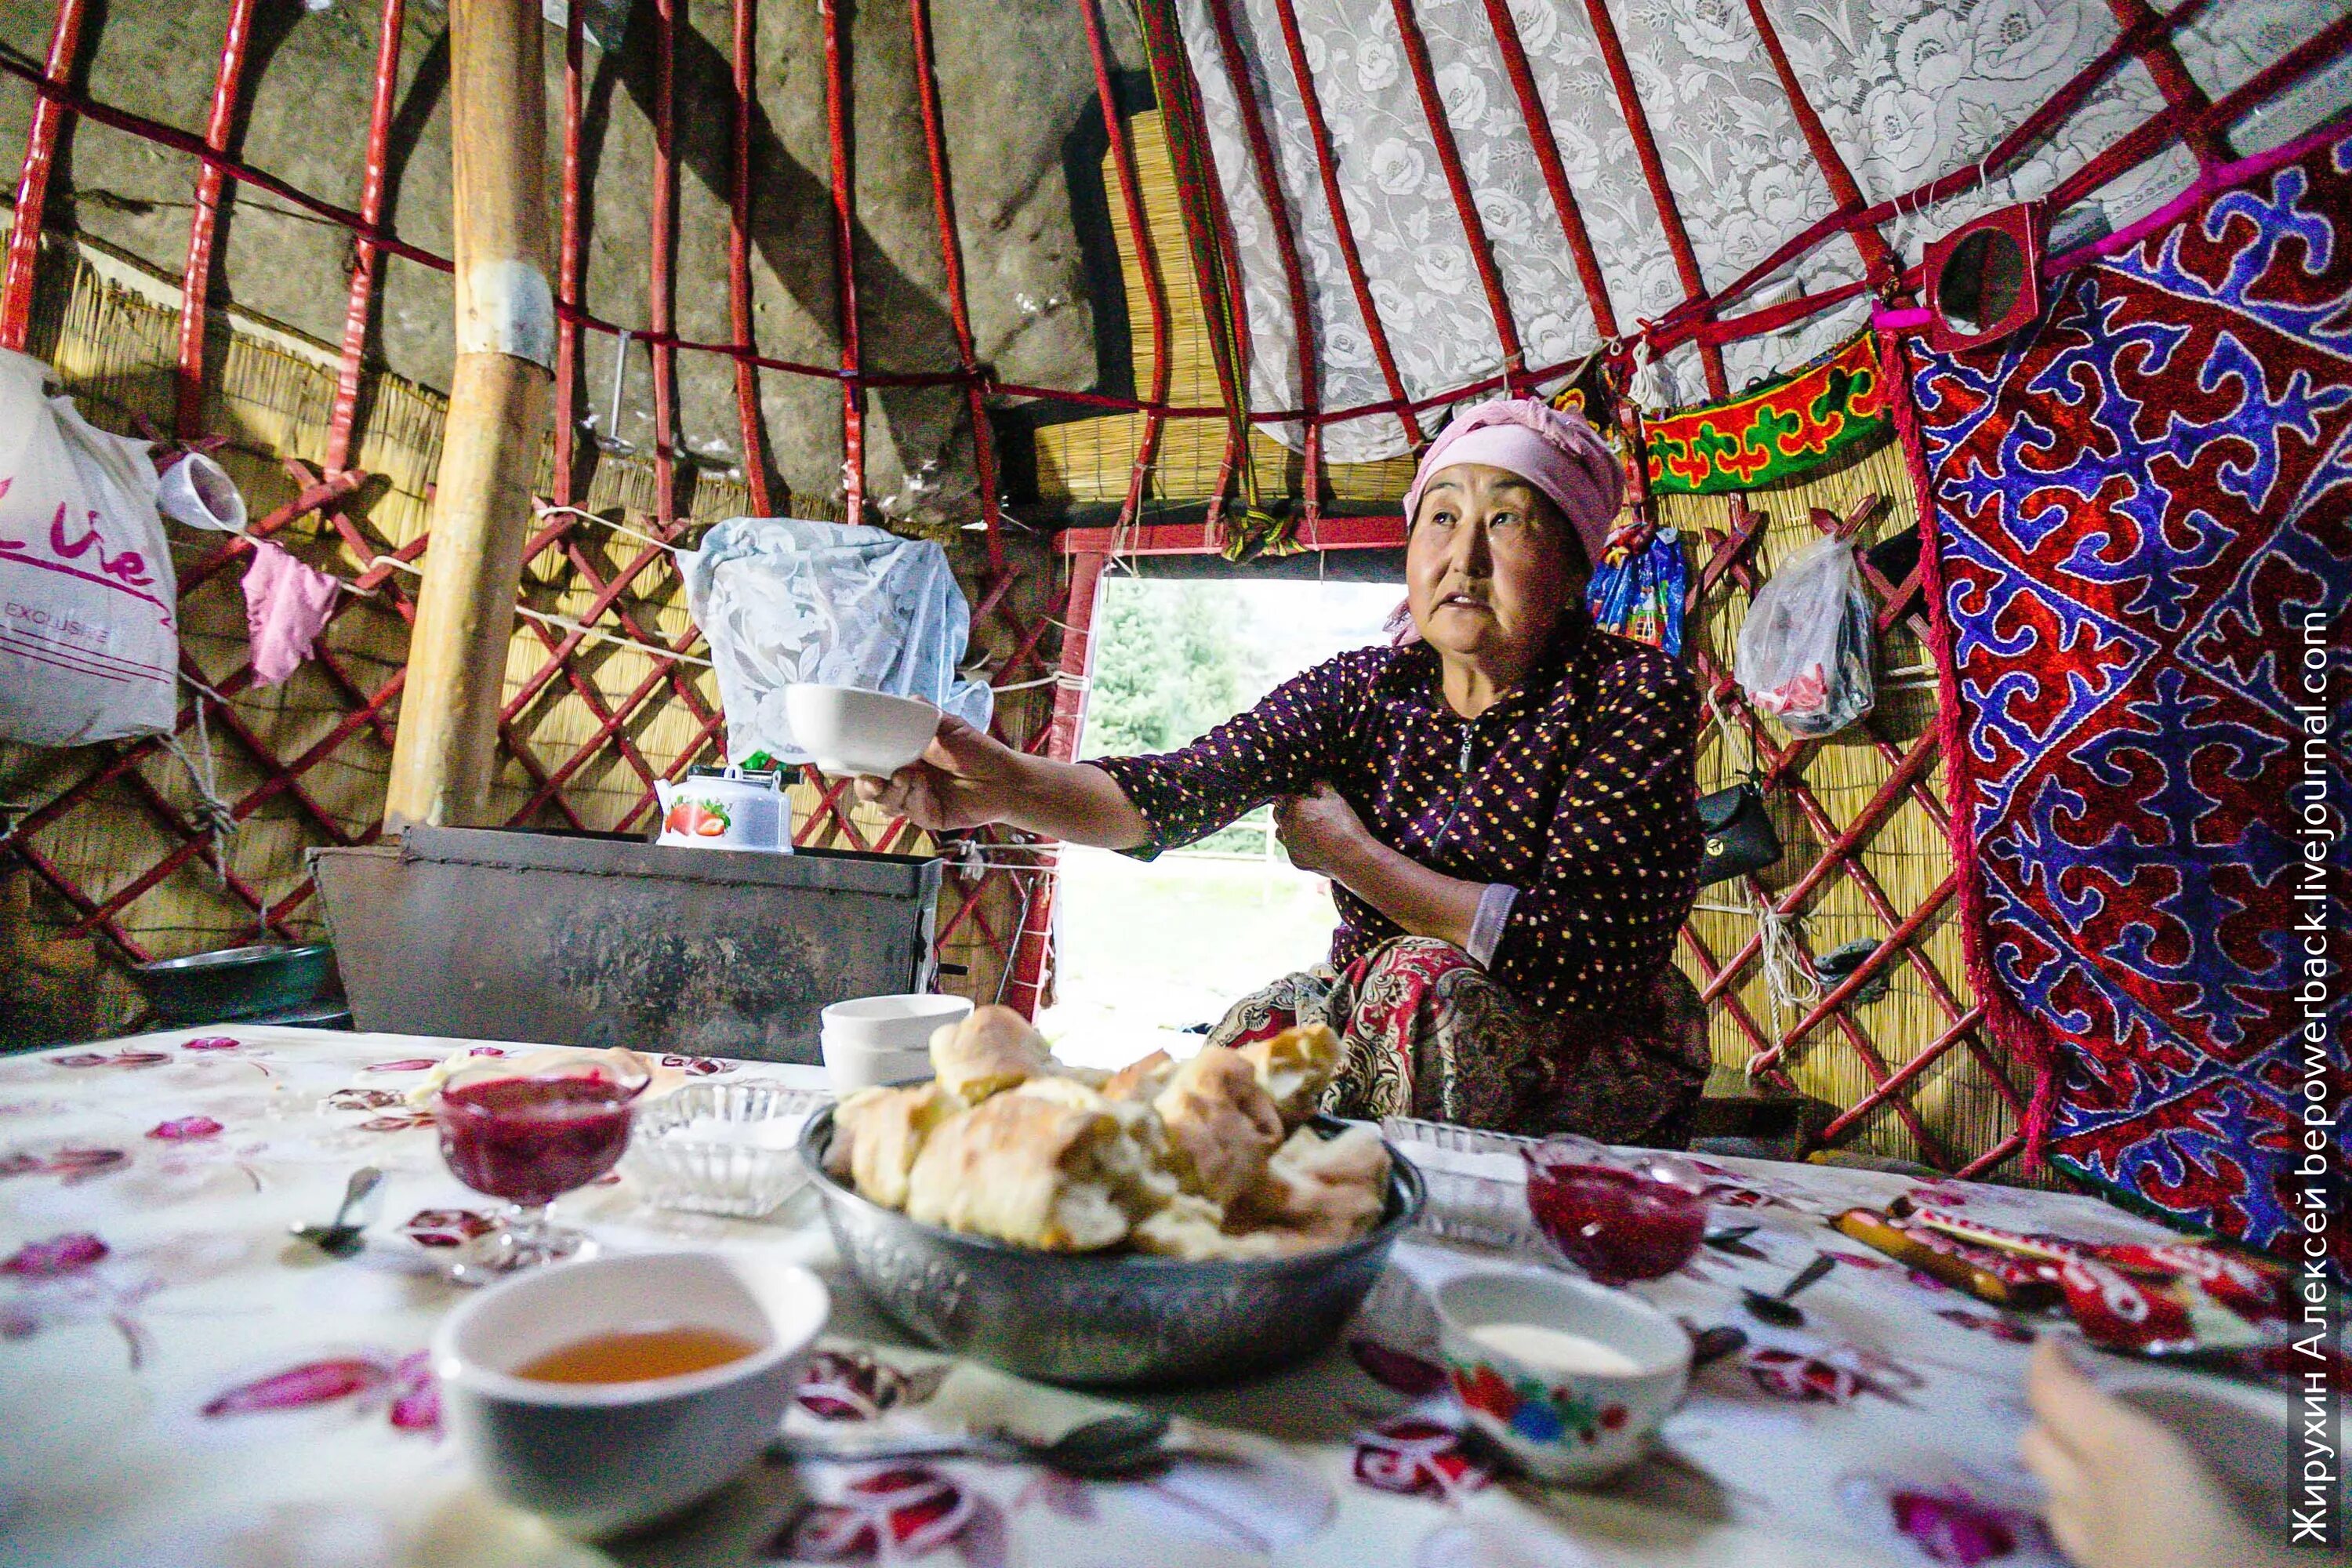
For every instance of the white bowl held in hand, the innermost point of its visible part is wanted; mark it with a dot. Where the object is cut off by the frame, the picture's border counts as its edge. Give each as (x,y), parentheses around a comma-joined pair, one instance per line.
(848,730)
(596,1458)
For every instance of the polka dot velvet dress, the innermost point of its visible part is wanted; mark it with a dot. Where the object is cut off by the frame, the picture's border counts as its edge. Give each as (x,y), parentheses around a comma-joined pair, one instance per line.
(1574,791)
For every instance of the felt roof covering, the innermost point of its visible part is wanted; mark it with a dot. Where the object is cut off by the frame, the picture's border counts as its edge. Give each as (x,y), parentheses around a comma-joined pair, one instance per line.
(1417,201)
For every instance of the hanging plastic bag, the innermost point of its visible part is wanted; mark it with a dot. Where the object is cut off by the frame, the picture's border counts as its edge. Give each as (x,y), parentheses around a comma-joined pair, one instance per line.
(1805,648)
(88,628)
(1637,589)
(783,600)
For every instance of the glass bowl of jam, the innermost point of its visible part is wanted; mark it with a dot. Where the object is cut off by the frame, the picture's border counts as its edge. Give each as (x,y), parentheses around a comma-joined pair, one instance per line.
(1620,1214)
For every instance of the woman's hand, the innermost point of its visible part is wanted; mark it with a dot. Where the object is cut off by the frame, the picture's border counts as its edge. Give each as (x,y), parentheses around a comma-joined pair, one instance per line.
(2123,1491)
(963,779)
(1321,830)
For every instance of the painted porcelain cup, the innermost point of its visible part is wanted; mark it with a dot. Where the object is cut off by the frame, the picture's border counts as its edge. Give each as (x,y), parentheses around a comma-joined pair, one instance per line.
(1578,1424)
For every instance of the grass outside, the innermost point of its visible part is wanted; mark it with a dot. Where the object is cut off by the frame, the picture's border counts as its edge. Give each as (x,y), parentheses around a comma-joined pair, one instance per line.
(1147,949)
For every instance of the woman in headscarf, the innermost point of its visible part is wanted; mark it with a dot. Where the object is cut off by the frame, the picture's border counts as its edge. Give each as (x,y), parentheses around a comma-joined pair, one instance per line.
(1502,804)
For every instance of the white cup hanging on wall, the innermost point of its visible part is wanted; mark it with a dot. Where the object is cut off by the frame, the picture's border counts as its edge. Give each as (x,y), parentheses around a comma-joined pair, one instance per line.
(197,491)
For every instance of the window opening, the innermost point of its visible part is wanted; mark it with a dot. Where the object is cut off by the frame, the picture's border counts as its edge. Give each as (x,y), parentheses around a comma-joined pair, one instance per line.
(1178,655)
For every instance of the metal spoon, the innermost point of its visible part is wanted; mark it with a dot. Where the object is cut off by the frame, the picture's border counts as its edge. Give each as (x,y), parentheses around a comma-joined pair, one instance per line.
(1113,1446)
(340,1237)
(1777,1308)
(1712,1344)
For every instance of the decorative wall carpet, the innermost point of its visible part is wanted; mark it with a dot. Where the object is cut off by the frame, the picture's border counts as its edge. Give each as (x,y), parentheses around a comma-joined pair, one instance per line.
(2144,516)
(1820,416)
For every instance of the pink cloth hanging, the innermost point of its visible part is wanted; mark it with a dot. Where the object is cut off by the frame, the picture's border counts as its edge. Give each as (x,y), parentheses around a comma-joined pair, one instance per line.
(285,607)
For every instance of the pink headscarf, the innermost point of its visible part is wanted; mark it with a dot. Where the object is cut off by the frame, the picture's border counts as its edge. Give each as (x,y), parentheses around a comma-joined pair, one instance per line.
(1560,454)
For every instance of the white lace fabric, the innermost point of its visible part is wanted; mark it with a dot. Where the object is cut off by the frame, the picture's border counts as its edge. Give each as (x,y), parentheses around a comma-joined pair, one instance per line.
(1907,91)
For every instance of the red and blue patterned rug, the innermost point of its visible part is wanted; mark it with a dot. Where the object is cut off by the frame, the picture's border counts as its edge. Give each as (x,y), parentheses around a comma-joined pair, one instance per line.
(2143,522)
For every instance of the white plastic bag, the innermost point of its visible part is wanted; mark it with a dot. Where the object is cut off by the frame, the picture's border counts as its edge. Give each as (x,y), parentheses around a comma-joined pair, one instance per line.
(785,600)
(90,634)
(1805,648)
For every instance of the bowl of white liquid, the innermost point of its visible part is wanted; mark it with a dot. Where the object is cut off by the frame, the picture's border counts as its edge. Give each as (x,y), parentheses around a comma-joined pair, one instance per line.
(1569,1378)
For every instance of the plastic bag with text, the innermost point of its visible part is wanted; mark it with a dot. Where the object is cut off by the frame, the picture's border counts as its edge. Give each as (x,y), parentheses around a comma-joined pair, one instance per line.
(1805,648)
(89,627)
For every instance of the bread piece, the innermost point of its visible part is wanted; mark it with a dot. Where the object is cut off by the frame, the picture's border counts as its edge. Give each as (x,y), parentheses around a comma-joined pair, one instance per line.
(1141,1080)
(1023,1169)
(1189,1227)
(886,1130)
(1331,1188)
(1295,1068)
(1139,1163)
(1222,1125)
(988,1053)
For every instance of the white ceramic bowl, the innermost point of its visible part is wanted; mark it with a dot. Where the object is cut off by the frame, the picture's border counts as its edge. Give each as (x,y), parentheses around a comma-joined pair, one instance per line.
(884,1039)
(594,1459)
(848,730)
(1576,1427)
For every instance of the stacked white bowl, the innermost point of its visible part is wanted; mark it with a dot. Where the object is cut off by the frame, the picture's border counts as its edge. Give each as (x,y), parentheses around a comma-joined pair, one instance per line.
(884,1039)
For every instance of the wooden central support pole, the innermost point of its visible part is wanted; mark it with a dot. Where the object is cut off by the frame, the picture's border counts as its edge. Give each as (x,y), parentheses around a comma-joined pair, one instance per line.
(444,756)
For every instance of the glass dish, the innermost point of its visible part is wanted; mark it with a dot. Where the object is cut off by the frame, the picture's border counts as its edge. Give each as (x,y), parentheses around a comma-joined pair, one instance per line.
(721,1148)
(1478,1195)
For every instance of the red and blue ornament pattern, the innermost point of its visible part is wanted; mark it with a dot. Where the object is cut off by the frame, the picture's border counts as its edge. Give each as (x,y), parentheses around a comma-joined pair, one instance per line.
(2143,510)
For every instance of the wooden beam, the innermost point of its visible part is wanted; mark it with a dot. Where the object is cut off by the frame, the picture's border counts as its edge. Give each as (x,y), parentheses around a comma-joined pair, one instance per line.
(446,752)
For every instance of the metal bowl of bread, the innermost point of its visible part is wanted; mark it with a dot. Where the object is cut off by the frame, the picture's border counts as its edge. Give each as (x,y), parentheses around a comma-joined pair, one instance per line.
(1171,1222)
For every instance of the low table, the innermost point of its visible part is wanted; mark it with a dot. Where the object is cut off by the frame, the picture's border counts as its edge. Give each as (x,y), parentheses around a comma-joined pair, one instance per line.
(181,1384)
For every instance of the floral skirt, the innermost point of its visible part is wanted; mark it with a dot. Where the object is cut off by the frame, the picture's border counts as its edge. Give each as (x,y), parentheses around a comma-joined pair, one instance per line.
(1425,1032)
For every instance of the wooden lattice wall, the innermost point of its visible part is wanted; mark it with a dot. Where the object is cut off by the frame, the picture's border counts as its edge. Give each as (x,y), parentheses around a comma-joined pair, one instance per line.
(1861,817)
(110,865)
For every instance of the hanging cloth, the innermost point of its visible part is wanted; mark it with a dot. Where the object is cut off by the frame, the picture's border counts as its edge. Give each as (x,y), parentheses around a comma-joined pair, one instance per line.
(286,607)
(785,600)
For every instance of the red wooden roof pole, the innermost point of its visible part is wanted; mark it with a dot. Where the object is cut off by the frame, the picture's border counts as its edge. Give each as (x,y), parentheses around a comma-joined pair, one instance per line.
(567,264)
(661,286)
(1653,173)
(1327,164)
(1237,454)
(1208,236)
(738,258)
(845,268)
(1547,148)
(2156,133)
(367,258)
(984,448)
(1311,381)
(1458,182)
(2172,79)
(1155,290)
(1877,256)
(196,281)
(32,182)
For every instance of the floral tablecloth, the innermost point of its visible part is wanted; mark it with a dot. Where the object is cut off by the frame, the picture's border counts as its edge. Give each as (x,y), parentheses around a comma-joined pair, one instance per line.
(181,1384)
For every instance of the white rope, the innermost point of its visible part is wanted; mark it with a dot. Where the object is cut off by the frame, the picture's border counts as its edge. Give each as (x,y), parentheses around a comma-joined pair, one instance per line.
(1066,681)
(1789,984)
(547,509)
(651,650)
(215,817)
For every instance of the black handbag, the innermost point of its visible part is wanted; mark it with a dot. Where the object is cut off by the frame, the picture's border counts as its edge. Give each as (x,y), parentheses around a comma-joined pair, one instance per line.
(1740,837)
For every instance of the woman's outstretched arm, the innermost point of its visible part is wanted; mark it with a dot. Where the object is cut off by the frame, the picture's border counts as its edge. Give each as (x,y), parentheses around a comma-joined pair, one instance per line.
(965,778)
